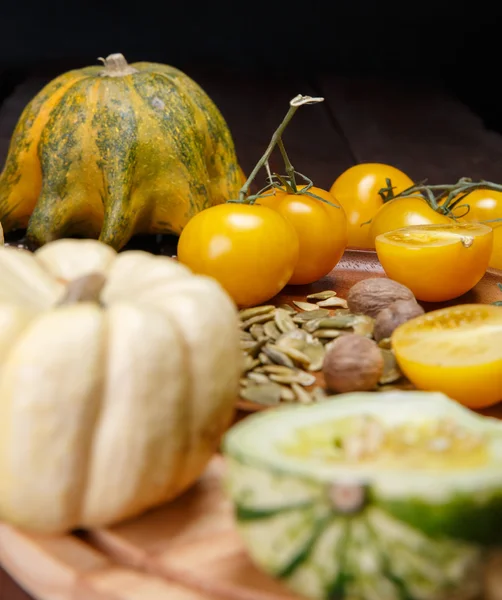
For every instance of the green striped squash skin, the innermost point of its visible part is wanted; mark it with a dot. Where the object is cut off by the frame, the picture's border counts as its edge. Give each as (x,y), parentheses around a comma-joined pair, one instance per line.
(295,531)
(109,152)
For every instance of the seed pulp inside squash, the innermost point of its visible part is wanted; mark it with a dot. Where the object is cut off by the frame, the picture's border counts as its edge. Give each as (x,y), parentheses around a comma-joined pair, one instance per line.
(432,444)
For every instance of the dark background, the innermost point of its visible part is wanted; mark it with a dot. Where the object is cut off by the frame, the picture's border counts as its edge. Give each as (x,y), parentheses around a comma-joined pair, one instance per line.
(421,41)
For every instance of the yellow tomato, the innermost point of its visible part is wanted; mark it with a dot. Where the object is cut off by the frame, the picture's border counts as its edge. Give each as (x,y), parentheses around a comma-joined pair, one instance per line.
(321,230)
(486,205)
(437,262)
(251,250)
(455,350)
(403,212)
(357,191)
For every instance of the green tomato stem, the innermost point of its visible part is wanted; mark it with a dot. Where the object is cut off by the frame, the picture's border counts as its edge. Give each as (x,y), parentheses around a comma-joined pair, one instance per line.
(446,198)
(294,105)
(290,171)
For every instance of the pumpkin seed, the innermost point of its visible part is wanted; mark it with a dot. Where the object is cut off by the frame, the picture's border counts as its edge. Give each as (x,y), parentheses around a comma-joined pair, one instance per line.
(391,372)
(288,308)
(333,302)
(316,352)
(328,334)
(283,347)
(287,394)
(278,370)
(318,394)
(247,344)
(338,322)
(307,306)
(256,349)
(278,357)
(321,295)
(364,325)
(271,331)
(302,395)
(249,363)
(263,318)
(283,320)
(267,393)
(296,355)
(311,315)
(306,379)
(257,377)
(301,377)
(385,344)
(311,326)
(264,359)
(293,339)
(248,313)
(257,331)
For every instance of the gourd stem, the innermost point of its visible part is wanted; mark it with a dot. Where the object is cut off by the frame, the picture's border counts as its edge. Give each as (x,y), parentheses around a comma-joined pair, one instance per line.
(87,288)
(116,66)
(294,104)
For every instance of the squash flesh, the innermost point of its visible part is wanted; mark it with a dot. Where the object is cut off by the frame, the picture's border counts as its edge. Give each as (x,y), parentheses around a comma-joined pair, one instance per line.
(434,444)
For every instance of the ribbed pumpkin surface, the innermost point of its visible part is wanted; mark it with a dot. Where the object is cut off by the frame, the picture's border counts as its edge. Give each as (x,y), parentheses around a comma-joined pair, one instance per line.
(110,152)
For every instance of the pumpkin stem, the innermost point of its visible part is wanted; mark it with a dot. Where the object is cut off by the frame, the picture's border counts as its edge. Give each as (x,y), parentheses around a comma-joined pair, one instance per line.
(116,66)
(84,289)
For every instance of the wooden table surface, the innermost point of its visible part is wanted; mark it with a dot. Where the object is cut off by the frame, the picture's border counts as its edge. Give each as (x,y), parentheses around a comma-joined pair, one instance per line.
(421,129)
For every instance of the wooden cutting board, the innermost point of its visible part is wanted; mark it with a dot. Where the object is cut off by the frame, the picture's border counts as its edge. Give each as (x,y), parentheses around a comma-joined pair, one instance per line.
(188,549)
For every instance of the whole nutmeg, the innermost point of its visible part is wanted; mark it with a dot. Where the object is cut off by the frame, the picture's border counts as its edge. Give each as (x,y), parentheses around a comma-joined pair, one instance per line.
(394,315)
(353,363)
(370,296)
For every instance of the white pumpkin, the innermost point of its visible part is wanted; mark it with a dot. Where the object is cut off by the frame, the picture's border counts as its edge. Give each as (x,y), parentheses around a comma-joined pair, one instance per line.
(112,397)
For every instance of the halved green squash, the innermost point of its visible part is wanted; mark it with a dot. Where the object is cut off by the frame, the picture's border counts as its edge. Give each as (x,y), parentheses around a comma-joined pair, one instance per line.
(394,497)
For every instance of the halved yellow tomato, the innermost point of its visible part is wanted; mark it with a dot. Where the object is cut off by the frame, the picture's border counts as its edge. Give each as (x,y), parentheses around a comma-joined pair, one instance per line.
(404,212)
(437,262)
(486,205)
(321,230)
(356,189)
(455,350)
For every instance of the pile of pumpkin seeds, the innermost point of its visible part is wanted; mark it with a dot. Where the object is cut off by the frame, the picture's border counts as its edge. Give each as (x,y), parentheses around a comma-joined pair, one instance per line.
(284,346)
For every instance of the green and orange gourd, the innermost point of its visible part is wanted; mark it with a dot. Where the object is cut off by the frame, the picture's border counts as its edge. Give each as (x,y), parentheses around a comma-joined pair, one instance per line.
(111,151)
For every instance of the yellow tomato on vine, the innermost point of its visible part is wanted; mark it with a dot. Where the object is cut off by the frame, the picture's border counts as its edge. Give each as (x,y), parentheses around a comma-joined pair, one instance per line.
(485,205)
(356,189)
(321,230)
(403,212)
(251,251)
